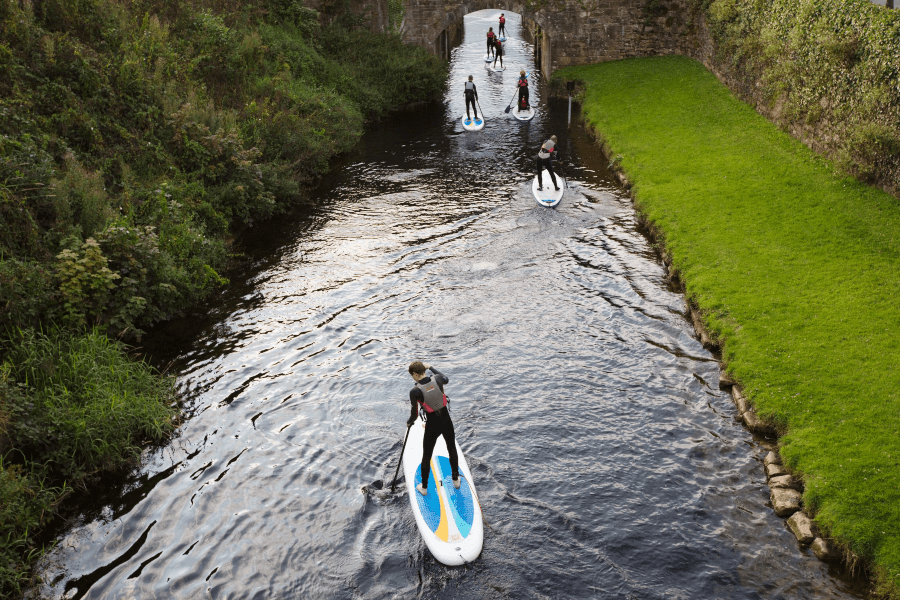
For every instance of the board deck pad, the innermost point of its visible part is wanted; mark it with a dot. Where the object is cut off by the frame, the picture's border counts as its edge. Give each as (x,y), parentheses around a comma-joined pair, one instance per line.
(488,58)
(449,519)
(525,115)
(548,196)
(473,124)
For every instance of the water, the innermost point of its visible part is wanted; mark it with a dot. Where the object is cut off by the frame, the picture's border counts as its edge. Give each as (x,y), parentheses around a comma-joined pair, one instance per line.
(608,463)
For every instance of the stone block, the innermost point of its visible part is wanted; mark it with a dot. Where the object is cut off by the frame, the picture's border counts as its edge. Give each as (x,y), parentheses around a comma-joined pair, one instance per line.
(772,458)
(802,527)
(725,380)
(785,502)
(825,550)
(755,424)
(774,470)
(787,482)
(739,400)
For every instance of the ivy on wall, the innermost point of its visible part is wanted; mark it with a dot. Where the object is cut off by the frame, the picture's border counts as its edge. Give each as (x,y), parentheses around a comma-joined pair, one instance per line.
(828,68)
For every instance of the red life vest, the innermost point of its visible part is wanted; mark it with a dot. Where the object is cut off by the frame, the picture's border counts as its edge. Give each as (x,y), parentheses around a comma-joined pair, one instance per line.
(490,34)
(502,20)
(523,82)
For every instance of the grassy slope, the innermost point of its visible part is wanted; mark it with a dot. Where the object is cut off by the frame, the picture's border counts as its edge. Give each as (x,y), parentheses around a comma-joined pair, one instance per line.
(796,268)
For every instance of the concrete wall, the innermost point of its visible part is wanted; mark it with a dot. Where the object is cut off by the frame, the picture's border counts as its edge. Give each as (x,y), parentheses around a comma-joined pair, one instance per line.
(572,32)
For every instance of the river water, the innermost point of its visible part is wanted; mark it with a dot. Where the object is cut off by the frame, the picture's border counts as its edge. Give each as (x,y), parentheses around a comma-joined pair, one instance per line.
(608,463)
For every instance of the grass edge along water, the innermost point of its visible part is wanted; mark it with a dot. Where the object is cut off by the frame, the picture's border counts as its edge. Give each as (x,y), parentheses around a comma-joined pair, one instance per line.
(795,269)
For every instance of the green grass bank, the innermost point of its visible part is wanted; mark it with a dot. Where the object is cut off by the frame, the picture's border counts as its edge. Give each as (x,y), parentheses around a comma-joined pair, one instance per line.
(137,137)
(796,270)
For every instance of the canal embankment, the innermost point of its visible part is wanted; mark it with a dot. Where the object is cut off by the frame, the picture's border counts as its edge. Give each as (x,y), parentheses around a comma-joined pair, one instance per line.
(136,140)
(793,270)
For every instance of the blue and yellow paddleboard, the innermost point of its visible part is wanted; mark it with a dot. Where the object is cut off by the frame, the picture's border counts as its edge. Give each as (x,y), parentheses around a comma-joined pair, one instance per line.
(449,519)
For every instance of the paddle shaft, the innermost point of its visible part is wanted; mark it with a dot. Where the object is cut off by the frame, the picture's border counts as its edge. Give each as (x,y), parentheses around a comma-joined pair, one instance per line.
(509,106)
(394,482)
(479,108)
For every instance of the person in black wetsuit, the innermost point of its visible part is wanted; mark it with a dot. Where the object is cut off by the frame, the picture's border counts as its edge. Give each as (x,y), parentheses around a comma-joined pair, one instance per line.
(429,394)
(522,86)
(490,41)
(498,52)
(501,31)
(471,96)
(544,159)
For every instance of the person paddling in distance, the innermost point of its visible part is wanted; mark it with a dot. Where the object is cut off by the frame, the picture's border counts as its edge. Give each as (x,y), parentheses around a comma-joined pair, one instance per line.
(429,394)
(498,53)
(501,31)
(545,157)
(522,86)
(471,96)
(490,41)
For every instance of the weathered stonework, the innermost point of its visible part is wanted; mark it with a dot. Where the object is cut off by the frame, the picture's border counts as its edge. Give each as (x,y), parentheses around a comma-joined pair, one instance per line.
(571,32)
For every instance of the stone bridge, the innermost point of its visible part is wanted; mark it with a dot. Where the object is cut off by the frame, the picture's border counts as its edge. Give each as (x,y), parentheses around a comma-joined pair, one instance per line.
(565,32)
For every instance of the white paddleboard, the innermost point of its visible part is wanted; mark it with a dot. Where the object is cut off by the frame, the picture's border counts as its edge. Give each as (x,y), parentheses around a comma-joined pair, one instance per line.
(488,58)
(503,39)
(449,519)
(525,115)
(473,124)
(549,196)
(492,69)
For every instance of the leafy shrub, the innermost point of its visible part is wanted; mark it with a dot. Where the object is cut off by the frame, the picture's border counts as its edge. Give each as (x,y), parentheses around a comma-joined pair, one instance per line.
(26,287)
(85,283)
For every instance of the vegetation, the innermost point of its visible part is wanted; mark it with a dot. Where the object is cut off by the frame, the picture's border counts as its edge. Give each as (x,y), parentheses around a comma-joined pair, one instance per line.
(825,69)
(135,138)
(795,268)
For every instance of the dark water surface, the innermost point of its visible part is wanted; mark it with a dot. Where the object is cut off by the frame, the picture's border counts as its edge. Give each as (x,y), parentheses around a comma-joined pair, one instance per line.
(607,461)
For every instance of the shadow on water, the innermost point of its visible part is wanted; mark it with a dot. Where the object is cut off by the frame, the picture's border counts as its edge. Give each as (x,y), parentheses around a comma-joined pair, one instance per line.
(608,463)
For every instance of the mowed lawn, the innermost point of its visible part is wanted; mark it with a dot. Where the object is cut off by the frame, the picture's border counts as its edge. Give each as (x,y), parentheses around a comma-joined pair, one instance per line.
(797,271)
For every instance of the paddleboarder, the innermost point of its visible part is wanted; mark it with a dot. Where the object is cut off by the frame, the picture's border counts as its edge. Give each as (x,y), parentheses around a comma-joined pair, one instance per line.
(490,41)
(522,86)
(502,30)
(544,159)
(471,96)
(498,53)
(429,394)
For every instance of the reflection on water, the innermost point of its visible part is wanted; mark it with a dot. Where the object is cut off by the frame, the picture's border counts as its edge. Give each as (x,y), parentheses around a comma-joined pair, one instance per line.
(608,462)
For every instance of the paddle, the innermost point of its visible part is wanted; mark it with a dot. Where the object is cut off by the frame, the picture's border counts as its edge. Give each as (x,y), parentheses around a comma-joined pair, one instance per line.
(394,482)
(565,179)
(509,106)
(479,108)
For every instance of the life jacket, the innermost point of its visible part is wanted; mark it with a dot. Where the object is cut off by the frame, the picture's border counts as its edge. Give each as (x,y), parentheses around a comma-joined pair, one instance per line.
(435,399)
(490,34)
(498,44)
(502,20)
(523,83)
(470,88)
(547,149)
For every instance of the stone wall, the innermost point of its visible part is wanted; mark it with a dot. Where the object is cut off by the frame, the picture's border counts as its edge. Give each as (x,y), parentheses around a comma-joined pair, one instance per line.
(572,32)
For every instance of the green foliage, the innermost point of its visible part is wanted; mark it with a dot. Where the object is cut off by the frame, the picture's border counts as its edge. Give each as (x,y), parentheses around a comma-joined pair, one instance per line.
(135,139)
(84,283)
(82,404)
(829,67)
(25,287)
(795,269)
(25,506)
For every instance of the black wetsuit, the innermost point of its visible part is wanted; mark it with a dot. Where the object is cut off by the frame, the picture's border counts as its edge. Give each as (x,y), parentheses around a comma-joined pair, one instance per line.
(547,163)
(498,53)
(471,97)
(490,42)
(522,85)
(502,29)
(437,424)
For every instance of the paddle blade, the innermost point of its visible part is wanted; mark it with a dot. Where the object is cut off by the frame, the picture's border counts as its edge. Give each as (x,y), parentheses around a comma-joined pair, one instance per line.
(508,108)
